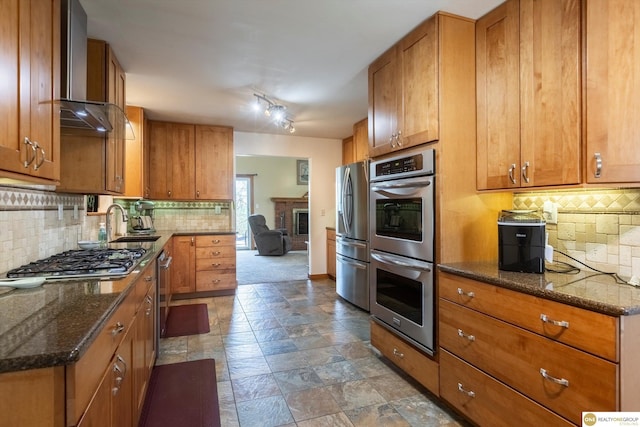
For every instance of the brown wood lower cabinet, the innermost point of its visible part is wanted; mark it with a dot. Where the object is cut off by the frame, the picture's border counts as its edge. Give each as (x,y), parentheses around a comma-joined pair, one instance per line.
(108,384)
(215,263)
(331,253)
(509,358)
(406,357)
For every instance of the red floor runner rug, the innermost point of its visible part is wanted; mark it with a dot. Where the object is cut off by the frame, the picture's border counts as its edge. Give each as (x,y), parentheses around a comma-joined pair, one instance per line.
(182,395)
(189,319)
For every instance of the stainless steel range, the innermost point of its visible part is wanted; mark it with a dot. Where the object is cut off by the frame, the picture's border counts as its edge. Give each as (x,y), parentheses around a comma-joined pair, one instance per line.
(83,263)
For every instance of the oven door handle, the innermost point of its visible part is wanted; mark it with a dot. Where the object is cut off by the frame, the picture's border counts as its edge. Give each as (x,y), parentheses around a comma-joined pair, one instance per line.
(353,244)
(384,187)
(392,260)
(352,263)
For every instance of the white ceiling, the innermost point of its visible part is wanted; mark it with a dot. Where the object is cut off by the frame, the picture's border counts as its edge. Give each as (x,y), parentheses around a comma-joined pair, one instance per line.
(200,61)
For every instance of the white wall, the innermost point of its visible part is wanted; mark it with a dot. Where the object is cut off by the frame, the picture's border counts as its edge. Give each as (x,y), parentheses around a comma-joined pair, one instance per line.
(324,155)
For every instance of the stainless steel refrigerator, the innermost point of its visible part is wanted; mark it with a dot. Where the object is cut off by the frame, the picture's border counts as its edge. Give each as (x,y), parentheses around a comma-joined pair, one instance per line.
(352,233)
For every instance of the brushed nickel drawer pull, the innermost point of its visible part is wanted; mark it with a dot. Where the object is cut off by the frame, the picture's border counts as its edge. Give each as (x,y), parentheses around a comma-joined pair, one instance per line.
(461,334)
(469,294)
(216,241)
(560,381)
(118,329)
(398,354)
(561,323)
(148,278)
(468,393)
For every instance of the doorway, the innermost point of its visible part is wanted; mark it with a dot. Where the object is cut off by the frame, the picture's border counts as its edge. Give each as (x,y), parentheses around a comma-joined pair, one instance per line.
(244,208)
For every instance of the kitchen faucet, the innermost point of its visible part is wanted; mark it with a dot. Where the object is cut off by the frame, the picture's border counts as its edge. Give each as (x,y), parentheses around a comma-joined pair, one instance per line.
(125,218)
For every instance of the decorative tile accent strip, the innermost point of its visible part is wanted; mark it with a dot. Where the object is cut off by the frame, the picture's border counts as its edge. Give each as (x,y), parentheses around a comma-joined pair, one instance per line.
(168,204)
(583,201)
(20,199)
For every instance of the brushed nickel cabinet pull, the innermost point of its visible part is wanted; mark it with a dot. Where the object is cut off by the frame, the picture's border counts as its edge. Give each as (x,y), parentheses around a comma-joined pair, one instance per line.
(42,159)
(561,323)
(461,334)
(598,172)
(198,194)
(118,329)
(31,145)
(525,172)
(469,294)
(468,393)
(398,353)
(512,178)
(560,381)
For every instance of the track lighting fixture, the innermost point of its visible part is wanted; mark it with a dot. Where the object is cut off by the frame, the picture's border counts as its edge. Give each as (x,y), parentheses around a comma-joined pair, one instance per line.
(277,112)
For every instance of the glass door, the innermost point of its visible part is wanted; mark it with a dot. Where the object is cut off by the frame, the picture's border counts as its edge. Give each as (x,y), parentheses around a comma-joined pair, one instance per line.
(244,208)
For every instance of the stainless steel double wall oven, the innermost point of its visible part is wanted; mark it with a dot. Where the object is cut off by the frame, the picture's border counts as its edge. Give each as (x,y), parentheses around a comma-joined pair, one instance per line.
(402,197)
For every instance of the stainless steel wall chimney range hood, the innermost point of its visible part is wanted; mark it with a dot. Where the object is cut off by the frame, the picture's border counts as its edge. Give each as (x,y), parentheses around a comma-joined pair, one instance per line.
(75,111)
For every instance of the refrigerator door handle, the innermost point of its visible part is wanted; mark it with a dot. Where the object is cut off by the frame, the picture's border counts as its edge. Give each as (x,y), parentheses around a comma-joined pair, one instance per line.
(347,210)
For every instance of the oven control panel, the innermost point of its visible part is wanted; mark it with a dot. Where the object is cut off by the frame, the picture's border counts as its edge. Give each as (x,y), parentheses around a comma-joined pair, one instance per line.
(421,163)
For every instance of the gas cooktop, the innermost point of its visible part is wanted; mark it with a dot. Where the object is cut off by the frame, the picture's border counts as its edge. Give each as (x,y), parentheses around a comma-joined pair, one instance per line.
(82,263)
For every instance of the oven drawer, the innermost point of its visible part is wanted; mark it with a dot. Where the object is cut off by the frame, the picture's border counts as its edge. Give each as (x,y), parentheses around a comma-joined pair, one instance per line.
(529,362)
(406,357)
(487,401)
(527,311)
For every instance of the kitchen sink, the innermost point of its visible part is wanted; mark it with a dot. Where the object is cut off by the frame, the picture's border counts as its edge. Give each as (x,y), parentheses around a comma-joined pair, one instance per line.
(125,239)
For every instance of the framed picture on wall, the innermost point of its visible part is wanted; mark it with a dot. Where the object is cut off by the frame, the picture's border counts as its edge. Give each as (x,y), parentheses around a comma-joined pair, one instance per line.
(303,172)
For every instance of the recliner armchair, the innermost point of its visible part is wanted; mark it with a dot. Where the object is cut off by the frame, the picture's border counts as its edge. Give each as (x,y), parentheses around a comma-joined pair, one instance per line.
(269,242)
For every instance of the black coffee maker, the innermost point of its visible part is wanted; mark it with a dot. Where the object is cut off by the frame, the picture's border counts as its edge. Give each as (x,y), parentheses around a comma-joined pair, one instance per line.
(521,241)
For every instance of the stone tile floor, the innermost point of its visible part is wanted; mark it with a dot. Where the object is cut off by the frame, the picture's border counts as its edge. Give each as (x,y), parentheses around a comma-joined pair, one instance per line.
(296,354)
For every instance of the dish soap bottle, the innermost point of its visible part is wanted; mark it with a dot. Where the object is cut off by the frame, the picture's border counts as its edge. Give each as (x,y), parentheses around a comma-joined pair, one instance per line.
(102,235)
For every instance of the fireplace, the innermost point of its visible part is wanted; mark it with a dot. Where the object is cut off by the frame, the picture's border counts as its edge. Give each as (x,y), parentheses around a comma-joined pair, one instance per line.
(300,222)
(292,214)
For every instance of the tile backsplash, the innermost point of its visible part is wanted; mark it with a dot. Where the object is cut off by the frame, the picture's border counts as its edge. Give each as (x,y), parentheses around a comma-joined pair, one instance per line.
(598,227)
(32,228)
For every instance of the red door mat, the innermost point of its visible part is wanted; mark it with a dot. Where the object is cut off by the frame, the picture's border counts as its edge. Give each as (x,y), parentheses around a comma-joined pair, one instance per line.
(182,394)
(189,319)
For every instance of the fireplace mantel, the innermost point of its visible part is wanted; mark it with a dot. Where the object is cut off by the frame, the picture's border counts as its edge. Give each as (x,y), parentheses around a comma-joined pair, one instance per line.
(290,199)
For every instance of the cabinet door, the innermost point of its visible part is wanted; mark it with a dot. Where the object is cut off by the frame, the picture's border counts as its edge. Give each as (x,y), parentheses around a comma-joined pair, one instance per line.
(214,163)
(498,97)
(29,53)
(159,162)
(550,92)
(348,150)
(612,91)
(116,140)
(418,56)
(183,265)
(134,164)
(361,140)
(122,386)
(383,103)
(181,162)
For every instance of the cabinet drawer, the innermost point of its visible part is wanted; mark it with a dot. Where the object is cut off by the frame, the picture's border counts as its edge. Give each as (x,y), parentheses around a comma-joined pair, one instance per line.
(487,401)
(407,357)
(215,264)
(214,280)
(215,252)
(520,358)
(527,311)
(217,240)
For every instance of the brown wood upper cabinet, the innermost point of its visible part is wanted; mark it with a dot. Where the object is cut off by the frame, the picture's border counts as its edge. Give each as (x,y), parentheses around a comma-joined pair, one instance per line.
(355,148)
(529,94)
(29,120)
(94,163)
(403,92)
(612,91)
(190,162)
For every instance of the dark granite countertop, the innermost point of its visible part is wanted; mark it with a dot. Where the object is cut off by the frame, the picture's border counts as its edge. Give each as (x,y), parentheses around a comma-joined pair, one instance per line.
(54,324)
(586,289)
